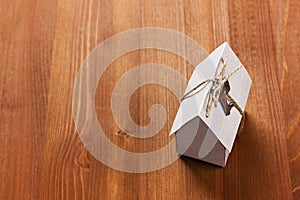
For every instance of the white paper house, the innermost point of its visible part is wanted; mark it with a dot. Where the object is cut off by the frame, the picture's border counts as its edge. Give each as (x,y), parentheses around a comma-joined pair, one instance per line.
(211,138)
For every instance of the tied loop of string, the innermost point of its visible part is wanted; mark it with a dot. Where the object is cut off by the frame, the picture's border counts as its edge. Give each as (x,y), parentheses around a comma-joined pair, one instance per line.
(216,90)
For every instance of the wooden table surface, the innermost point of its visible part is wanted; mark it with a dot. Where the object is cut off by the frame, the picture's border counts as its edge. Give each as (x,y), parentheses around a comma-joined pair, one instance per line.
(43,44)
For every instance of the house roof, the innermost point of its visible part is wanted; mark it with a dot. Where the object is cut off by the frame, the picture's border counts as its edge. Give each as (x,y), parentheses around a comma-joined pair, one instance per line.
(224,127)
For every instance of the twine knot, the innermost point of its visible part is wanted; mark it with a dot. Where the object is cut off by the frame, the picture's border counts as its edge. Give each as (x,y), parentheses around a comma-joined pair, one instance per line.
(218,91)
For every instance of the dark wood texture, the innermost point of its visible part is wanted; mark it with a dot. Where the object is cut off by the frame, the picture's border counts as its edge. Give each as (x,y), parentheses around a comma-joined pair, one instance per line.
(42,45)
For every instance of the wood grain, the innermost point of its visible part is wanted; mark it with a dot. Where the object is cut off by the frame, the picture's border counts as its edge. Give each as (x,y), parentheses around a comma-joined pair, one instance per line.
(42,46)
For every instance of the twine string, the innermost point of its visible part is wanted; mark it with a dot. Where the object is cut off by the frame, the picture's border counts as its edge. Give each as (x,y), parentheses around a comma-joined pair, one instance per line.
(215,91)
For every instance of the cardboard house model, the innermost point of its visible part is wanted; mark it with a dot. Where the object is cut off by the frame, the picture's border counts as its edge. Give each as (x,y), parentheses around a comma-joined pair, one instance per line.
(206,129)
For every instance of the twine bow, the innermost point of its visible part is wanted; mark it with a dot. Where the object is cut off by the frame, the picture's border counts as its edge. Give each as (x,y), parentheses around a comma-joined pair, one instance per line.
(217,89)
